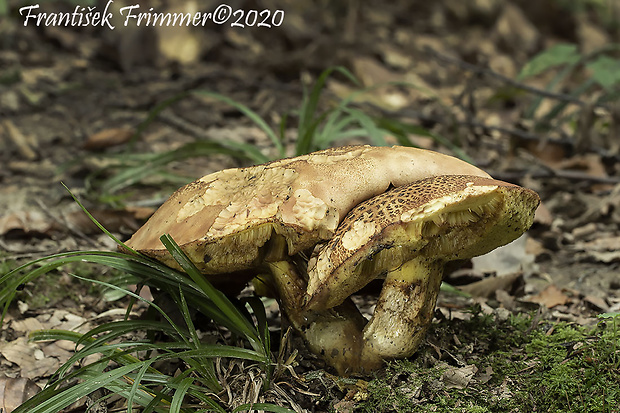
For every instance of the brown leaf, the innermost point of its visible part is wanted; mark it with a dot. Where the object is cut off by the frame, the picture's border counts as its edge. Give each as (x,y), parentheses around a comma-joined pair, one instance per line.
(550,297)
(107,138)
(550,153)
(487,287)
(24,144)
(590,163)
(597,303)
(29,357)
(26,222)
(459,377)
(15,391)
(514,31)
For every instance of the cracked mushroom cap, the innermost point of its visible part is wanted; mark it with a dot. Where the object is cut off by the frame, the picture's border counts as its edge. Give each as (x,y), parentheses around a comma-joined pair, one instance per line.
(441,218)
(224,220)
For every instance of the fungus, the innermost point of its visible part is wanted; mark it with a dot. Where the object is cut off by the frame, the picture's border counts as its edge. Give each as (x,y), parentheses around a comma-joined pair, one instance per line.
(407,235)
(397,212)
(223,221)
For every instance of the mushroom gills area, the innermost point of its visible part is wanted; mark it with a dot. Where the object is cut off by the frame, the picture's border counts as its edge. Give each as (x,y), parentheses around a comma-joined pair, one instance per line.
(451,222)
(243,250)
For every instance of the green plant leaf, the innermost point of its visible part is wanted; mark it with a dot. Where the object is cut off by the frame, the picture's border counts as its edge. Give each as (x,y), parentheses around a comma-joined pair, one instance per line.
(557,55)
(179,394)
(220,300)
(605,71)
(54,400)
(255,117)
(308,120)
(131,174)
(401,130)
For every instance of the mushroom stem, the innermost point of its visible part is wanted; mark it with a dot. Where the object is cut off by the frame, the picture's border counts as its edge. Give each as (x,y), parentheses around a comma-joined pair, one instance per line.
(404,310)
(335,334)
(290,288)
(342,336)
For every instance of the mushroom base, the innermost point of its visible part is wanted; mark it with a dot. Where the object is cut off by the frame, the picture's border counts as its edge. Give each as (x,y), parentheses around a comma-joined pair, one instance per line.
(344,338)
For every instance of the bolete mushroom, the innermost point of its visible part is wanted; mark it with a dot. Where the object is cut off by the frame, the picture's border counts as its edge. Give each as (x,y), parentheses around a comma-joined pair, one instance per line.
(223,221)
(406,235)
(238,223)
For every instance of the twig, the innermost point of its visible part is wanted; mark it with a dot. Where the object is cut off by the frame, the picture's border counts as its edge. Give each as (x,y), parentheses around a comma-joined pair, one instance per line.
(413,114)
(490,73)
(557,173)
(22,143)
(182,125)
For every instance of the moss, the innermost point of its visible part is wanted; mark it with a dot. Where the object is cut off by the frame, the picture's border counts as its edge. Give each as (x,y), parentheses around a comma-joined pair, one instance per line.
(555,367)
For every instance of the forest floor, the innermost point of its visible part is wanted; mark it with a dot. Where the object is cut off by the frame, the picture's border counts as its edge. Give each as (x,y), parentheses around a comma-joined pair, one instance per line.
(71,99)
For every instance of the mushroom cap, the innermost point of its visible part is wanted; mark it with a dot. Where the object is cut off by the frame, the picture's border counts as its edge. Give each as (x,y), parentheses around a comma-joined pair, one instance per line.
(442,218)
(223,221)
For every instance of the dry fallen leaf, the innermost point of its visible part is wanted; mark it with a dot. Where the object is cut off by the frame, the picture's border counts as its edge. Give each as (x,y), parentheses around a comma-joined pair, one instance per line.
(507,259)
(107,138)
(550,297)
(29,357)
(597,302)
(27,222)
(26,145)
(459,377)
(487,287)
(15,391)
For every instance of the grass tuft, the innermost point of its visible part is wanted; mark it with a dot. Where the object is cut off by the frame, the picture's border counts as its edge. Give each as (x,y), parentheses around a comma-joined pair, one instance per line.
(127,348)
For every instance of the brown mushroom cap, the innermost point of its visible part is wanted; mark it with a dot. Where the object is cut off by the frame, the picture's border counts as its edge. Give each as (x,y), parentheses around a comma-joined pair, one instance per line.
(224,220)
(441,218)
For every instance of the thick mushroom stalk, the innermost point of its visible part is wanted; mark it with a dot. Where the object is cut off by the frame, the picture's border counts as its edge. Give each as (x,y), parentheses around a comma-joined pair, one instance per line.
(407,235)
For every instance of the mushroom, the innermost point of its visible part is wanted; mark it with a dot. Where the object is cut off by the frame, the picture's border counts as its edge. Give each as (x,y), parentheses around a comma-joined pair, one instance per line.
(264,220)
(407,235)
(223,221)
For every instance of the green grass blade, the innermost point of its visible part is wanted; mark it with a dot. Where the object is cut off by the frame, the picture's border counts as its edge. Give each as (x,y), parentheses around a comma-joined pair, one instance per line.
(555,111)
(135,386)
(131,175)
(307,115)
(179,395)
(401,129)
(205,366)
(377,136)
(152,116)
(215,295)
(163,313)
(54,400)
(253,116)
(563,74)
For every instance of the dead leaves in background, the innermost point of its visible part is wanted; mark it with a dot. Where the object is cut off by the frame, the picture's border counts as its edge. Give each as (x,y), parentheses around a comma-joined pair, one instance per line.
(16,227)
(15,391)
(108,138)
